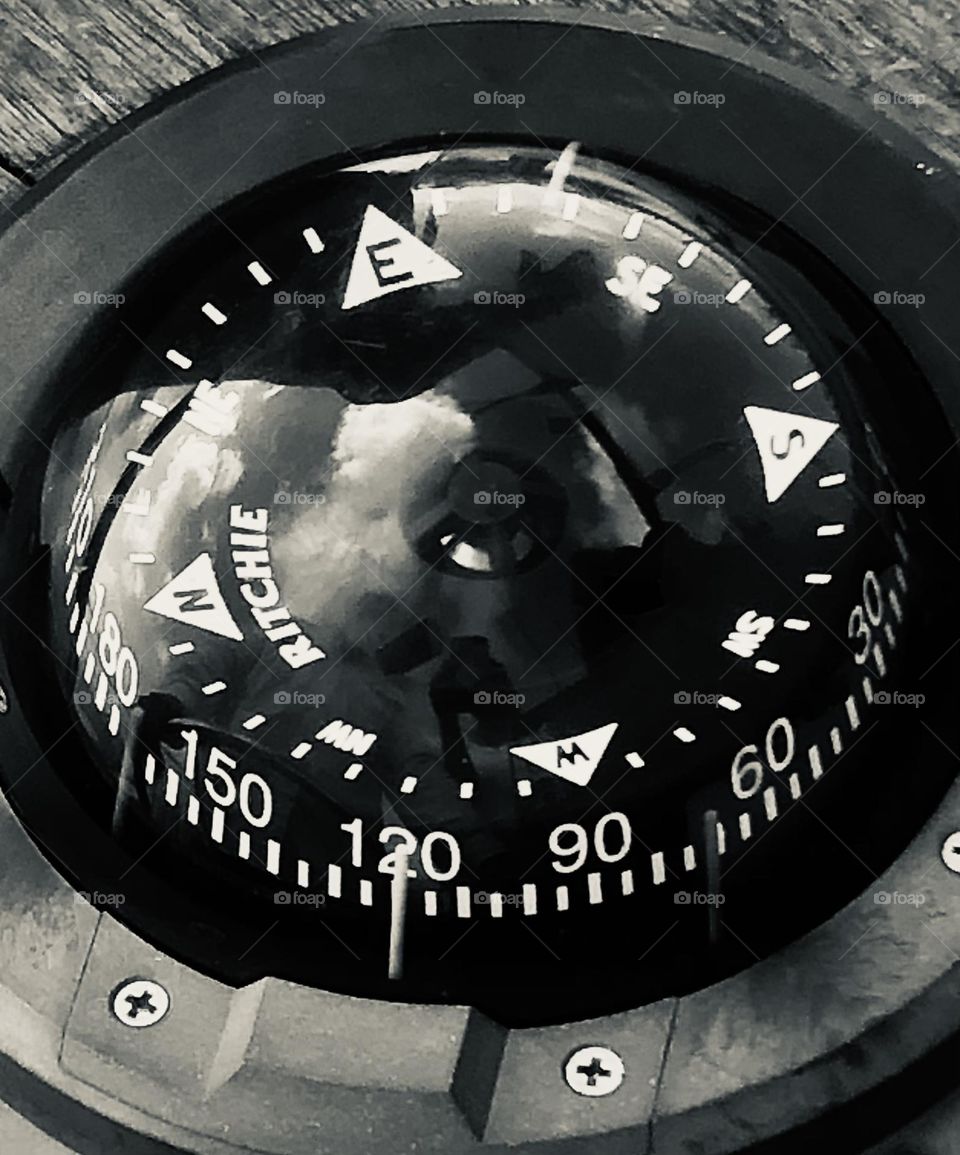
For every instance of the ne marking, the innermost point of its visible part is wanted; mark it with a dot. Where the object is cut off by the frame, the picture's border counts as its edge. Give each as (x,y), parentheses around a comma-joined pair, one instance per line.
(852,715)
(353,771)
(799,624)
(138,458)
(890,636)
(626,883)
(594,888)
(633,759)
(301,750)
(429,903)
(770,803)
(408,785)
(312,237)
(303,872)
(831,479)
(213,688)
(728,703)
(766,667)
(816,765)
(254,721)
(738,292)
(563,898)
(658,866)
(181,648)
(524,787)
(689,858)
(334,880)
(818,579)
(141,558)
(504,198)
(746,830)
(466,791)
(868,690)
(684,735)
(177,358)
(835,740)
(273,856)
(830,530)
(243,845)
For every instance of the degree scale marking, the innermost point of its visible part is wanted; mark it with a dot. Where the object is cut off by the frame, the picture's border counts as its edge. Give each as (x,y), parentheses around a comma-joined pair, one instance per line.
(594,892)
(734,295)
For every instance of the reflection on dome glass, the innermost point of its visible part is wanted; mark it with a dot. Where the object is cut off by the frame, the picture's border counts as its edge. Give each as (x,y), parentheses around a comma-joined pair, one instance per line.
(490,540)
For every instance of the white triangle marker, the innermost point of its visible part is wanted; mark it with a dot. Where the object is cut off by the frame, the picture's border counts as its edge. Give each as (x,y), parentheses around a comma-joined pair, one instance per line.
(574,759)
(787,443)
(388,258)
(193,597)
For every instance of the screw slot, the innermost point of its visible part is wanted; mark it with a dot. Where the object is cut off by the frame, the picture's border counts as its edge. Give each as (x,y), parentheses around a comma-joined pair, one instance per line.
(140,1002)
(594,1071)
(950,852)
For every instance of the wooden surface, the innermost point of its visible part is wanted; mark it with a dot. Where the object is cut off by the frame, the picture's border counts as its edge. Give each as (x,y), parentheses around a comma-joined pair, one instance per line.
(68,67)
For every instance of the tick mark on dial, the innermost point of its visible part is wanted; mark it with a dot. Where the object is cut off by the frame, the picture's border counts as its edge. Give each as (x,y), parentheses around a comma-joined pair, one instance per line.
(259,273)
(806,380)
(175,357)
(212,313)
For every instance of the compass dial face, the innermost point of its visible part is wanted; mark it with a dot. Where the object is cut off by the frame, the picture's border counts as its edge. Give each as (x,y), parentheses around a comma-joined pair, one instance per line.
(487,567)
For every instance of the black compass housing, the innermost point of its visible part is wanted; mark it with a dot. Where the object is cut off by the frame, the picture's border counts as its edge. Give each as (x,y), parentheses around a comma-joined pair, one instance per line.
(584,625)
(517,505)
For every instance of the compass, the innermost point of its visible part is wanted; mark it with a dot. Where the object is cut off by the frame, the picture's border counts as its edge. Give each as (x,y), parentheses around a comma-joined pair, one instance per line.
(479,594)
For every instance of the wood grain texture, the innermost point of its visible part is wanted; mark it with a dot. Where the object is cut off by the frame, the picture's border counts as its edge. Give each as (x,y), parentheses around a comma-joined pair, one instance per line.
(69,67)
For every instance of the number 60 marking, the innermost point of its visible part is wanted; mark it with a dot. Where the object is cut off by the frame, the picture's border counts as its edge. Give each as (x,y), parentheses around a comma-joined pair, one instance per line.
(748,771)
